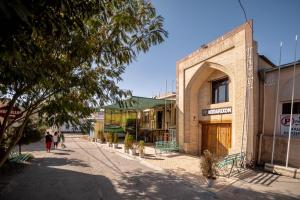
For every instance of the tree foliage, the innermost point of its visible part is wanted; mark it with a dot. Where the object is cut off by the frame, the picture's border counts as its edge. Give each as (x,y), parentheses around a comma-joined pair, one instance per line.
(64,57)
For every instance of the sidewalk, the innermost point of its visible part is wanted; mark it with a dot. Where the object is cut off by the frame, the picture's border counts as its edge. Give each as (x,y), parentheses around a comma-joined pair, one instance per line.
(188,167)
(179,164)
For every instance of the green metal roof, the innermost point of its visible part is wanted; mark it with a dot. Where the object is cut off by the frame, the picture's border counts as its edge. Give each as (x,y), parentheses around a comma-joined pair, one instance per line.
(113,129)
(139,103)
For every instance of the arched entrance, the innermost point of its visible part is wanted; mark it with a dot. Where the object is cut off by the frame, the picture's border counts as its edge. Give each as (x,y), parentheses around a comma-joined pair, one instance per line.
(206,125)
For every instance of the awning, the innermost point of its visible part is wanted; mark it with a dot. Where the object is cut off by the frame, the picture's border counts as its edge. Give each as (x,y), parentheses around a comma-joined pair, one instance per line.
(113,129)
(139,103)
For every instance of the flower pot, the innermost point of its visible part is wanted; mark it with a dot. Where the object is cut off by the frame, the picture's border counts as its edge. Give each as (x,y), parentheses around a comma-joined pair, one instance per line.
(141,154)
(99,141)
(126,150)
(115,146)
(132,152)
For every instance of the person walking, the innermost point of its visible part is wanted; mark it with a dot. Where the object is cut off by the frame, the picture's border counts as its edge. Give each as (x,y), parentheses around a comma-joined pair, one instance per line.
(62,140)
(55,140)
(48,141)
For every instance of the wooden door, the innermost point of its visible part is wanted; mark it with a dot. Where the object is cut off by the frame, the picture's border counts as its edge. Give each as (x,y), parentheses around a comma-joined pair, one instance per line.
(216,138)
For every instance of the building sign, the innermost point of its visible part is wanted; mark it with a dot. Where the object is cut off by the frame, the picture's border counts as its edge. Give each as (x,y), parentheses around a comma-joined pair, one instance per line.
(15,112)
(285,124)
(217,111)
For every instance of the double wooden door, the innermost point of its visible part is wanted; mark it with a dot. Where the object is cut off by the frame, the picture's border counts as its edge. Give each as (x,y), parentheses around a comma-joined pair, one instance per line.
(216,138)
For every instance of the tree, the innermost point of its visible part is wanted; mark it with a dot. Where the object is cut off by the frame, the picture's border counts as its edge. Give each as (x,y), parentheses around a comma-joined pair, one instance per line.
(64,57)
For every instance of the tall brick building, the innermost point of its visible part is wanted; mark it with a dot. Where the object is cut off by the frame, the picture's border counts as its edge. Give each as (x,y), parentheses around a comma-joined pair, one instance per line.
(220,96)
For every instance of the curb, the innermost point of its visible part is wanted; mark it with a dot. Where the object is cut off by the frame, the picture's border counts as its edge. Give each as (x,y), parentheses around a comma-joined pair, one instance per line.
(130,157)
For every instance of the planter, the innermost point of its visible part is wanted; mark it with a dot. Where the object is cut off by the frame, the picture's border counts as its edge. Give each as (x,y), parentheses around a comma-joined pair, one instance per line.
(141,154)
(132,152)
(115,146)
(99,141)
(126,150)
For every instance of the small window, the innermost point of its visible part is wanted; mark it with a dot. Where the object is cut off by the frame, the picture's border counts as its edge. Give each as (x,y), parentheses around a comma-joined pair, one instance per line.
(220,91)
(286,108)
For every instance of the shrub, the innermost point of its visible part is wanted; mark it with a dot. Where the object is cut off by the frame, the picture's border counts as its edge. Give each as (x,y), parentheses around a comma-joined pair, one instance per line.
(208,165)
(101,136)
(32,133)
(141,147)
(110,138)
(116,138)
(126,141)
(130,141)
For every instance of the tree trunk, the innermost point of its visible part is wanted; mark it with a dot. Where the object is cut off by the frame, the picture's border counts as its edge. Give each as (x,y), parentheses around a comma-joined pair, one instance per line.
(20,152)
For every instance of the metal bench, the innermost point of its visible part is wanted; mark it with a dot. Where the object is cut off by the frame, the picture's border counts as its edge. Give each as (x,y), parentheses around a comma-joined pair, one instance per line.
(229,163)
(20,158)
(166,146)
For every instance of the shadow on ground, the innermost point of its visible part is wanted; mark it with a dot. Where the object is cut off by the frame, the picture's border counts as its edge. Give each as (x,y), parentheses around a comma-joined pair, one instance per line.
(151,185)
(233,192)
(256,177)
(154,185)
(49,162)
(42,181)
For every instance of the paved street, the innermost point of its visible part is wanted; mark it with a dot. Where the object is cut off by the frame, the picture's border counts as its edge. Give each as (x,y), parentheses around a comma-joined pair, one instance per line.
(84,170)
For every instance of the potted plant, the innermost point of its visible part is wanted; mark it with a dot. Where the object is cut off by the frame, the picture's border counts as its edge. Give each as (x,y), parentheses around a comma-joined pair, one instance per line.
(115,141)
(110,139)
(126,144)
(141,148)
(101,136)
(131,145)
(208,165)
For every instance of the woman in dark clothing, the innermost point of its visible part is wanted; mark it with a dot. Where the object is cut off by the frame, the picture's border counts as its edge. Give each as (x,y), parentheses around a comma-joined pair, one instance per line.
(48,140)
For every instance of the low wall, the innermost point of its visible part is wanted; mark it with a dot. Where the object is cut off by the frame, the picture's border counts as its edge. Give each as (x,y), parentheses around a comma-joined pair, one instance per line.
(280,150)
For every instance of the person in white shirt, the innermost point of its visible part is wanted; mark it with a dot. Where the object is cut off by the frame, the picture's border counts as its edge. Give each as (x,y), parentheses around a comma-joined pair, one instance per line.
(55,140)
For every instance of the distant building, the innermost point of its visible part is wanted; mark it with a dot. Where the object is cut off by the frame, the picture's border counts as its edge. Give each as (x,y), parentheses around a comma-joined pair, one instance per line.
(150,119)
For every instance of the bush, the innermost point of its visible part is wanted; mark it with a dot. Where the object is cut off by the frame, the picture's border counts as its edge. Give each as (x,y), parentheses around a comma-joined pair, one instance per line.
(141,146)
(110,138)
(32,133)
(116,138)
(208,165)
(30,136)
(130,141)
(126,141)
(101,136)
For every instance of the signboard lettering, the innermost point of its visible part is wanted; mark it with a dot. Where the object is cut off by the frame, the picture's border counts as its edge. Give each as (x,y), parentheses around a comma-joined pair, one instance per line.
(217,111)
(285,125)
(14,113)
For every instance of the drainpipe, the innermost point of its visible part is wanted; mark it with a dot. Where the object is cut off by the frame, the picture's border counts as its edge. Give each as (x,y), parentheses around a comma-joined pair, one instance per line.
(259,150)
(262,78)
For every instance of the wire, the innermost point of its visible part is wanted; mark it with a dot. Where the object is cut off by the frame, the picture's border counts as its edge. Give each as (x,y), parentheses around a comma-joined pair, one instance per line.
(245,15)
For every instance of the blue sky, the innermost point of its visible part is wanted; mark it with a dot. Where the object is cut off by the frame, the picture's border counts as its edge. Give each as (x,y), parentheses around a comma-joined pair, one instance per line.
(191,23)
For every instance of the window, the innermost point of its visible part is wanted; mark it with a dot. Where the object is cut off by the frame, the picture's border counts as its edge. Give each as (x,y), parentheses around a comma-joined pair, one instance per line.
(220,91)
(286,108)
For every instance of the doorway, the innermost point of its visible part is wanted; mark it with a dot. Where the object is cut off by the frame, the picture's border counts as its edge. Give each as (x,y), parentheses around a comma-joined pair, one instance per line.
(216,138)
(159,120)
